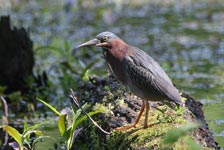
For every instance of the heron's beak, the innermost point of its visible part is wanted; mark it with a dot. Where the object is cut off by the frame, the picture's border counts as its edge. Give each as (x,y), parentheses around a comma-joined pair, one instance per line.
(89,43)
(104,44)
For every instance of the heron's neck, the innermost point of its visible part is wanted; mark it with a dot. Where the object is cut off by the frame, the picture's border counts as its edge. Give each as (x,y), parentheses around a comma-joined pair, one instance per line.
(118,49)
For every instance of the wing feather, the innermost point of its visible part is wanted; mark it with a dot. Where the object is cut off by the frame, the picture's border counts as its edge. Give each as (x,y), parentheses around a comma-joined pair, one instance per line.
(147,74)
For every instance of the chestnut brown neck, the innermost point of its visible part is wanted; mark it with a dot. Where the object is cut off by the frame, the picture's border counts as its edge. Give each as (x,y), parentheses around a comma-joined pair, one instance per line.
(118,48)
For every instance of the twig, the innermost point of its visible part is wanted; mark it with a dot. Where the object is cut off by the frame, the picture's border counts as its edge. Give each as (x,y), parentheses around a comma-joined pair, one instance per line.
(78,105)
(6,114)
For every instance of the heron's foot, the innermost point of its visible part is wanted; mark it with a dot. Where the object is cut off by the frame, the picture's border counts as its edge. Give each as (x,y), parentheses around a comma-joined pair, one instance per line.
(127,127)
(147,126)
(150,125)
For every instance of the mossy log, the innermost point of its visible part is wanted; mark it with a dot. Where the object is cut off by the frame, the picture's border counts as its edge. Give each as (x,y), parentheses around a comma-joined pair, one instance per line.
(16,56)
(122,108)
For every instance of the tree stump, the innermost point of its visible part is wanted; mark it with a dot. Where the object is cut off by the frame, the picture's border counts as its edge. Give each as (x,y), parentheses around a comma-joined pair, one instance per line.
(16,56)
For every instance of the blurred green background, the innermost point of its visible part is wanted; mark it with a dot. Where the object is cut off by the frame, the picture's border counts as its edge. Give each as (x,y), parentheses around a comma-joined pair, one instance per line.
(185,36)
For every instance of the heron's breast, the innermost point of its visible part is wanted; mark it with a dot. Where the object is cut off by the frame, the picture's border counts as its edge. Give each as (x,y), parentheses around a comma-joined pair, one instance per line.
(116,67)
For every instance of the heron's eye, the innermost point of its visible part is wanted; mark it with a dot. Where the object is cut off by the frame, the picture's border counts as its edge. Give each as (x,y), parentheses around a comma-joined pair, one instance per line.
(104,39)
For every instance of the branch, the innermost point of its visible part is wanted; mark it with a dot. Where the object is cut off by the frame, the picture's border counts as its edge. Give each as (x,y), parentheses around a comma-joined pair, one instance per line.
(72,95)
(6,112)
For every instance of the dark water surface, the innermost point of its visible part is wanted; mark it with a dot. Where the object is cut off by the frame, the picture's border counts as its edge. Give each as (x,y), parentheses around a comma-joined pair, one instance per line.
(187,39)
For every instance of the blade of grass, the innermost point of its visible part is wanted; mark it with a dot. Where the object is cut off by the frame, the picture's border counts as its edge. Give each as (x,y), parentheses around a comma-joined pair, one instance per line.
(49,106)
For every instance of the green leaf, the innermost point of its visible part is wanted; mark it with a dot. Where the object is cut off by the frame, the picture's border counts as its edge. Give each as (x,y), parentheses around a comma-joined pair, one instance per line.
(49,106)
(53,48)
(13,133)
(78,112)
(61,124)
(37,132)
(83,118)
(192,144)
(85,77)
(86,71)
(174,134)
(25,126)
(35,126)
(40,138)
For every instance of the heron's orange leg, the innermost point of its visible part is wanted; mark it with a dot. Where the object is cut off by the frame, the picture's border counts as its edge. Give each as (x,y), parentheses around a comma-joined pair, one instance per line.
(140,114)
(137,120)
(146,114)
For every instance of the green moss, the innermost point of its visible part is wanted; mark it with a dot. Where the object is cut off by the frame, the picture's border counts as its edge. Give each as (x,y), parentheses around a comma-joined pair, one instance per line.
(152,137)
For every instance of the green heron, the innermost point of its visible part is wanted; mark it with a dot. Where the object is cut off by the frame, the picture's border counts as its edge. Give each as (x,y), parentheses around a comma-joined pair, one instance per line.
(137,71)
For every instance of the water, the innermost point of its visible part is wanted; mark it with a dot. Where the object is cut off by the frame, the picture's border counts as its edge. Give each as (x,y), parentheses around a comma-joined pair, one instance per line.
(185,38)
